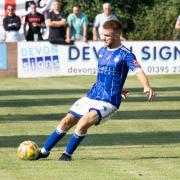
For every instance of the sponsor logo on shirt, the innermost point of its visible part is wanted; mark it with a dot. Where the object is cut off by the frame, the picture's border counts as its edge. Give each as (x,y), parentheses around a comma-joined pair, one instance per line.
(116,59)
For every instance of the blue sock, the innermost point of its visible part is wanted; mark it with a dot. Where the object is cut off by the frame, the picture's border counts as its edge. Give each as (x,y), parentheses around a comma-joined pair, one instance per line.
(74,143)
(53,139)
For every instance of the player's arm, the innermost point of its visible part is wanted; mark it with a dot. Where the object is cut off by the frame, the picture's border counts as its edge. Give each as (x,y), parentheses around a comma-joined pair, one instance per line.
(68,33)
(85,29)
(95,33)
(68,29)
(145,83)
(60,23)
(25,26)
(42,23)
(95,29)
(134,65)
(5,24)
(177,26)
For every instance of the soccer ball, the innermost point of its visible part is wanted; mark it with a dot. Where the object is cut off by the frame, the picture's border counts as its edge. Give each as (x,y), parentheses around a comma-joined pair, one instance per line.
(28,150)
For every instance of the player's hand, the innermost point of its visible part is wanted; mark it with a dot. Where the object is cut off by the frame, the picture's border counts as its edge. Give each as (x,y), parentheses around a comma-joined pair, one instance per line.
(63,22)
(84,39)
(68,40)
(150,93)
(34,24)
(95,38)
(124,93)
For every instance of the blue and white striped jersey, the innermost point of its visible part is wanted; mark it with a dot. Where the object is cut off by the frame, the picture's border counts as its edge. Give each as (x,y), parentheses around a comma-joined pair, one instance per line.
(113,67)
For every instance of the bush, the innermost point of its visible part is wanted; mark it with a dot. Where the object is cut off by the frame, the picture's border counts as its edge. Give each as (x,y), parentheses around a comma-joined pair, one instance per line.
(141,19)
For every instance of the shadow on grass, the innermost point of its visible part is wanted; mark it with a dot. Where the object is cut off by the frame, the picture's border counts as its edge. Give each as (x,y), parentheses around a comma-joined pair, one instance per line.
(126,158)
(147,114)
(120,115)
(71,91)
(160,157)
(144,138)
(37,102)
(42,92)
(32,117)
(69,101)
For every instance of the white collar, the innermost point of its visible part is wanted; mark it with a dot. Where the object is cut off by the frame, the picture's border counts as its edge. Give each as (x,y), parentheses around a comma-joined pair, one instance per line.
(114,48)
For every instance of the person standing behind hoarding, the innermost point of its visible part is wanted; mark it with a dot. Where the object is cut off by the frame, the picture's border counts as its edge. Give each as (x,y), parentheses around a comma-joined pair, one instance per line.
(36,23)
(77,25)
(100,19)
(56,22)
(11,24)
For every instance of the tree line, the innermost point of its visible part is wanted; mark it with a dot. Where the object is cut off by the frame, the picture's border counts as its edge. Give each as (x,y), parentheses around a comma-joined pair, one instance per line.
(141,19)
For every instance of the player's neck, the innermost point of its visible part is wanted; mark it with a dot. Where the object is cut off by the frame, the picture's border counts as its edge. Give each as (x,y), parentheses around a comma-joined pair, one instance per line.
(115,45)
(56,11)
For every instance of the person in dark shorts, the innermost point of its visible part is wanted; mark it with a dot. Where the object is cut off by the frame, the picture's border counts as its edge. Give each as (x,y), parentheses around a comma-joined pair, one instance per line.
(36,23)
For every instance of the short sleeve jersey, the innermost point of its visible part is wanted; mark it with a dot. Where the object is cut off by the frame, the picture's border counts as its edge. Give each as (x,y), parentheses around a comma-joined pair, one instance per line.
(56,32)
(34,18)
(113,67)
(77,23)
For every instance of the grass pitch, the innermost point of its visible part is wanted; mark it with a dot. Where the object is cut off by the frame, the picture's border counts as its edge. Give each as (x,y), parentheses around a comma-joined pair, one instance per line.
(141,141)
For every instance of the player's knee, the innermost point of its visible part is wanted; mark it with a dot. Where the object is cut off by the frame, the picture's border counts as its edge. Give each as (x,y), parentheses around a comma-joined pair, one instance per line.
(67,122)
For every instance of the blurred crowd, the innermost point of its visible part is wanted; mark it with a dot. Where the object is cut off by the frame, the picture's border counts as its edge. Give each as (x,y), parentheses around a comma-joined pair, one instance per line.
(61,29)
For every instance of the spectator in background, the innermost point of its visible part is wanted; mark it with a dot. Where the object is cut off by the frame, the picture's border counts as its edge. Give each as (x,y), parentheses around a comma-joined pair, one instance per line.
(100,19)
(36,23)
(177,26)
(56,21)
(77,25)
(11,24)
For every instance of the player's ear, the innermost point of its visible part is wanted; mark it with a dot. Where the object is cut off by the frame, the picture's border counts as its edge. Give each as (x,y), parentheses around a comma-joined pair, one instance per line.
(117,35)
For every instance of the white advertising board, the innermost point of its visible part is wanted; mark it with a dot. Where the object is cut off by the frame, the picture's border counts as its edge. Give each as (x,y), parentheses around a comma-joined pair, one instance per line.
(42,59)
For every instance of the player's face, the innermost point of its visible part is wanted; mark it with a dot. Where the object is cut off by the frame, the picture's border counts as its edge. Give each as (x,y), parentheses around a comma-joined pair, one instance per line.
(111,38)
(56,6)
(33,8)
(76,11)
(10,10)
(107,10)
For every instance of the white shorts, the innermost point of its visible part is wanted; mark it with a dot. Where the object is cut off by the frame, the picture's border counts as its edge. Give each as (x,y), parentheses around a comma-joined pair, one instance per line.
(82,106)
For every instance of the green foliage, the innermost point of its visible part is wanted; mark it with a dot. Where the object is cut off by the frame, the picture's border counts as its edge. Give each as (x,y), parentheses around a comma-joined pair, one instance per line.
(156,23)
(141,19)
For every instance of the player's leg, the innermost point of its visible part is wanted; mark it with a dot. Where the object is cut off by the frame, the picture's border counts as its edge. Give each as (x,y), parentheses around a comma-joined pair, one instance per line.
(97,113)
(91,118)
(66,123)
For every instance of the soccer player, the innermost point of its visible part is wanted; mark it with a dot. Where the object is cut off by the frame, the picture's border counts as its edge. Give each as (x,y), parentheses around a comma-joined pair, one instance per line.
(104,98)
